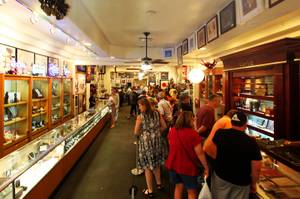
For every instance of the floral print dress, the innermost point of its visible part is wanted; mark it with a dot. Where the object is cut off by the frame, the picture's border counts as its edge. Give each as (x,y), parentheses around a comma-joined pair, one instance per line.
(150,148)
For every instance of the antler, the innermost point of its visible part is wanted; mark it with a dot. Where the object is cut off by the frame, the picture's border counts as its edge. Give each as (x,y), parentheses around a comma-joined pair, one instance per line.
(209,65)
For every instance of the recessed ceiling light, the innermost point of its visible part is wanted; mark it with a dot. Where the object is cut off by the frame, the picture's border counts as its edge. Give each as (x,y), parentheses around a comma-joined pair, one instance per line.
(112,57)
(87,43)
(203,48)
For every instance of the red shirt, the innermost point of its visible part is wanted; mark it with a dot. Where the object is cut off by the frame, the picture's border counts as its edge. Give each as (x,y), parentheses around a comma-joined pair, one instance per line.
(206,117)
(178,160)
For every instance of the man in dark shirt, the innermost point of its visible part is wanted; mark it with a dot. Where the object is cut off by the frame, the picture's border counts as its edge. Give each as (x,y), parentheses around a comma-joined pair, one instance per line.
(238,161)
(206,116)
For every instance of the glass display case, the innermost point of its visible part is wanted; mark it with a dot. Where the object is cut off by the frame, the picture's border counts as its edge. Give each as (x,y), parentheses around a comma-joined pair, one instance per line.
(56,113)
(23,169)
(67,83)
(40,109)
(254,95)
(15,110)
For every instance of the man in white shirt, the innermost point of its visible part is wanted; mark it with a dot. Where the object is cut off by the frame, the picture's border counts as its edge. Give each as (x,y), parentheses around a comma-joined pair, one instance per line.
(165,108)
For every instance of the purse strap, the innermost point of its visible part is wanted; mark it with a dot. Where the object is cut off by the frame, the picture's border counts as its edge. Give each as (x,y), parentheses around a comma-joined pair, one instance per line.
(186,152)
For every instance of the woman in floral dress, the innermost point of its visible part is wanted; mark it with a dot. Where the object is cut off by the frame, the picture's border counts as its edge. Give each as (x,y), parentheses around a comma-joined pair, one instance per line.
(150,149)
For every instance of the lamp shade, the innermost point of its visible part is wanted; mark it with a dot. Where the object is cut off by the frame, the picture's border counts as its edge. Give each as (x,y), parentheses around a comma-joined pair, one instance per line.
(196,75)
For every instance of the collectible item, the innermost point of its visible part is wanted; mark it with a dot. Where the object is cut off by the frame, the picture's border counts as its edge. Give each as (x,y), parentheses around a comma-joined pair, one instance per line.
(36,93)
(6,98)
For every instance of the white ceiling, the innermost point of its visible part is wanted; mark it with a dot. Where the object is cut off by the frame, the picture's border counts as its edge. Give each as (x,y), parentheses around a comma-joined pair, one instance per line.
(123,21)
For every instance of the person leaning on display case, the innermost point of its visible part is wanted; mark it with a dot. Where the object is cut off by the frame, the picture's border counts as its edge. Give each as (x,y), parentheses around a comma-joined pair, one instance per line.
(238,161)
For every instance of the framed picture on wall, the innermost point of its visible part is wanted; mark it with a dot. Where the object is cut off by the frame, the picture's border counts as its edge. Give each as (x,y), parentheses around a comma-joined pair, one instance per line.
(164,84)
(168,52)
(201,37)
(273,3)
(25,60)
(53,67)
(212,30)
(164,75)
(192,42)
(7,56)
(40,65)
(179,55)
(185,47)
(249,9)
(227,18)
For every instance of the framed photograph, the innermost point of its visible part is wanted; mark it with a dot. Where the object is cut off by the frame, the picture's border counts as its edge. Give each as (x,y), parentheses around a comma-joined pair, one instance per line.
(164,84)
(40,65)
(80,69)
(185,47)
(227,18)
(273,3)
(212,30)
(7,56)
(249,9)
(192,42)
(152,78)
(53,67)
(168,52)
(179,55)
(66,68)
(164,75)
(88,74)
(25,60)
(201,37)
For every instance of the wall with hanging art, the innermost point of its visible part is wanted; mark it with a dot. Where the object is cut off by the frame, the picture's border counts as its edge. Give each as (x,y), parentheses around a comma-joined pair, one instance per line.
(39,67)
(25,60)
(212,29)
(167,53)
(185,47)
(247,9)
(164,75)
(53,67)
(228,18)
(179,55)
(201,37)
(192,42)
(7,56)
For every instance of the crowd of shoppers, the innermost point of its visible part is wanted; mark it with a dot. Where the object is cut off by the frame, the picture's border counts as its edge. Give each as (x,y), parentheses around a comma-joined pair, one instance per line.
(170,133)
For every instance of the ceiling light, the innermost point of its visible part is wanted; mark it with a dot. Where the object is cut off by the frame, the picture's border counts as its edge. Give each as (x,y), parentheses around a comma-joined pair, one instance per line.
(34,18)
(2,2)
(196,75)
(146,67)
(52,29)
(112,57)
(140,75)
(87,43)
(203,48)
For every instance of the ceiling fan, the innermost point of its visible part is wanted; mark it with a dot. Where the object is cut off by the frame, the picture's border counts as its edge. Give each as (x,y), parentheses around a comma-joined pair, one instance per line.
(147,60)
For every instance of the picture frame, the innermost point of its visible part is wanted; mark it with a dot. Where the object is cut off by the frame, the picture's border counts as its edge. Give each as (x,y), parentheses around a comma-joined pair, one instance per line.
(249,9)
(212,29)
(179,56)
(192,42)
(164,84)
(273,3)
(201,37)
(40,65)
(164,75)
(168,53)
(185,47)
(228,18)
(25,60)
(53,67)
(7,56)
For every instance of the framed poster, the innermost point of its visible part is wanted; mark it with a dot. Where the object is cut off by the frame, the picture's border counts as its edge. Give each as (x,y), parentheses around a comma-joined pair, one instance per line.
(273,3)
(168,52)
(53,67)
(102,69)
(227,18)
(201,37)
(80,69)
(7,56)
(88,74)
(40,65)
(152,78)
(185,47)
(249,9)
(66,68)
(164,84)
(25,60)
(164,75)
(192,42)
(179,55)
(212,30)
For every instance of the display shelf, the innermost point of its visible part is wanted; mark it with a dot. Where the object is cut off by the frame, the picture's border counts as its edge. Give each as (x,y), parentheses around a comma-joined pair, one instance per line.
(55,97)
(270,98)
(38,130)
(260,114)
(39,99)
(39,114)
(262,130)
(17,140)
(15,104)
(14,121)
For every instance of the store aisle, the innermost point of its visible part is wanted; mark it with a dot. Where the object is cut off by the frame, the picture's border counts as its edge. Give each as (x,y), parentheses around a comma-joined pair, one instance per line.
(103,172)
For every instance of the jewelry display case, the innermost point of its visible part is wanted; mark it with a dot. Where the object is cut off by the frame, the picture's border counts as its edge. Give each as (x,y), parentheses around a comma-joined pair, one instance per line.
(14,110)
(56,100)
(40,102)
(67,90)
(24,172)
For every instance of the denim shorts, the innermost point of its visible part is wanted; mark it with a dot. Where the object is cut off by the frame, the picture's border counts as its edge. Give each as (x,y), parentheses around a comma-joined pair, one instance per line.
(189,182)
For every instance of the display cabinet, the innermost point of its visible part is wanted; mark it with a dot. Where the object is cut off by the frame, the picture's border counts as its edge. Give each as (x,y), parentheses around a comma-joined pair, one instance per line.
(27,172)
(14,110)
(261,82)
(40,105)
(56,101)
(67,98)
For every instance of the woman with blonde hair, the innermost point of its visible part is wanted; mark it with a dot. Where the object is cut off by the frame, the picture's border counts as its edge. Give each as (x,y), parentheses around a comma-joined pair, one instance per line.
(184,155)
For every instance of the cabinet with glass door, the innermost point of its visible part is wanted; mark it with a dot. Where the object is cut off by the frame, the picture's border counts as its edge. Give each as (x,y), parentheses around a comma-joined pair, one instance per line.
(15,109)
(56,101)
(40,103)
(67,102)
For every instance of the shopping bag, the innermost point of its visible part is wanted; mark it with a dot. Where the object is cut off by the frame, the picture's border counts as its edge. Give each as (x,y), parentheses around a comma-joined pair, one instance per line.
(205,192)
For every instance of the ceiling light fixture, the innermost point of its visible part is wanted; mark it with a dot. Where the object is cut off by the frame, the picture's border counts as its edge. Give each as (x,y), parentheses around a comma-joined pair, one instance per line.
(146,66)
(2,2)
(196,75)
(203,48)
(87,43)
(52,29)
(112,57)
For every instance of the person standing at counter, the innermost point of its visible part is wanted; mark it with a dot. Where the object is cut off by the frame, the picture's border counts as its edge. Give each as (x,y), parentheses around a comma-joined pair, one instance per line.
(238,161)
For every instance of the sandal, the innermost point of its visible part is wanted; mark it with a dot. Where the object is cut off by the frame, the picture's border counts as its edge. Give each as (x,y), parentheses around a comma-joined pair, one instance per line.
(148,194)
(160,187)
